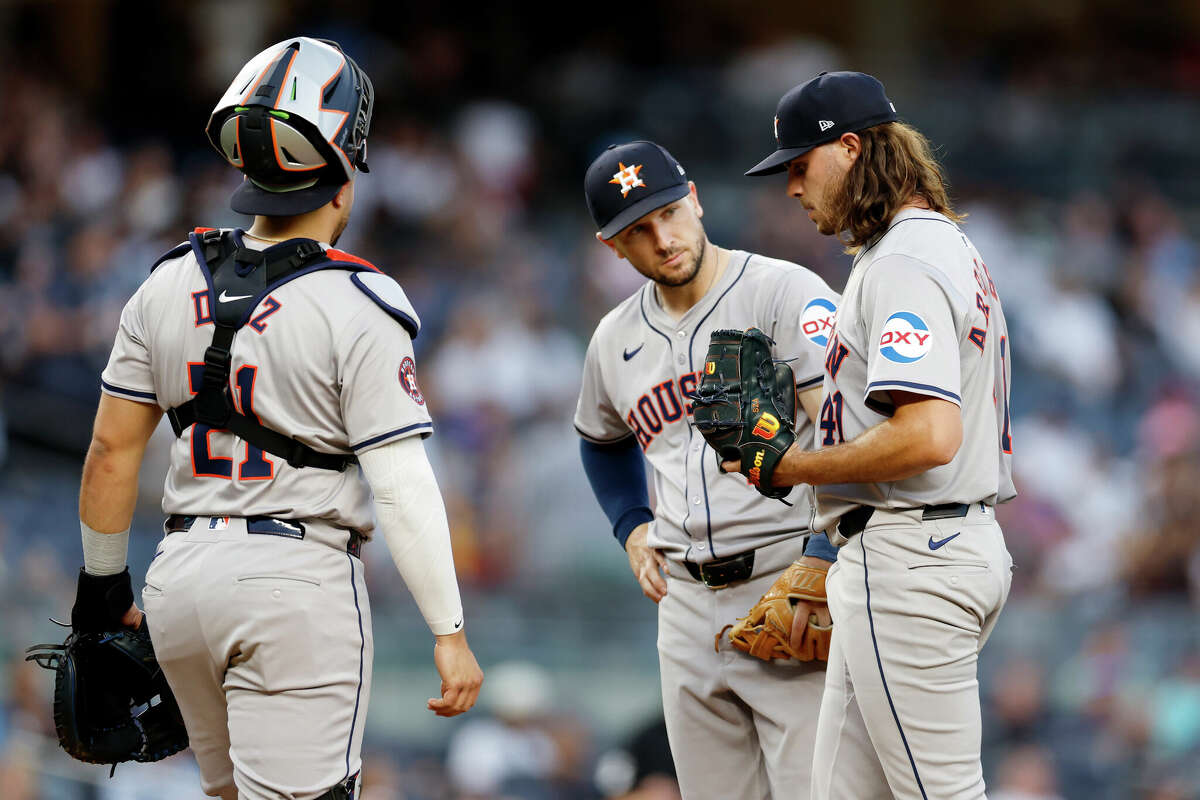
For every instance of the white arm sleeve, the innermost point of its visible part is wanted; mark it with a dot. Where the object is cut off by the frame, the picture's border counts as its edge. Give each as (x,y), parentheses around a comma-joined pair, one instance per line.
(412,517)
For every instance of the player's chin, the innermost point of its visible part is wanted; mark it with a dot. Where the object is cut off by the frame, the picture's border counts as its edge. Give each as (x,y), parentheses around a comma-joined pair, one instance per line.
(681,275)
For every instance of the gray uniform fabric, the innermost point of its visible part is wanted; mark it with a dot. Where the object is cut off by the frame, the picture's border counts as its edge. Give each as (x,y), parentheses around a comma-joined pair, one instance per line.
(914,599)
(641,364)
(738,727)
(265,636)
(324,362)
(920,314)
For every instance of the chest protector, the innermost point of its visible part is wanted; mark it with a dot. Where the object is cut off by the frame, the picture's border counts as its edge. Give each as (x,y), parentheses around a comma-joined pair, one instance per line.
(238,280)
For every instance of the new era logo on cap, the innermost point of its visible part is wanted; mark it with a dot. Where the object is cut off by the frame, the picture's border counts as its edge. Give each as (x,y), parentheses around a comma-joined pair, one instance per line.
(825,124)
(646,178)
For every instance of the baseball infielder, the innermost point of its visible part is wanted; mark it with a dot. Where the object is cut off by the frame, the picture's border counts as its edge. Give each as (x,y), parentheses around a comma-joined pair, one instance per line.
(917,450)
(255,598)
(739,727)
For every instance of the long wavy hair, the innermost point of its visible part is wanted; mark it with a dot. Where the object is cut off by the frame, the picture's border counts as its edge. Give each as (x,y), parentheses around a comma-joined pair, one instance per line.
(895,165)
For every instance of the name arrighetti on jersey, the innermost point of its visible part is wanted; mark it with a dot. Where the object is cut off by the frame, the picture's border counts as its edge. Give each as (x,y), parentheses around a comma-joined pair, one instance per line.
(319,360)
(641,367)
(920,314)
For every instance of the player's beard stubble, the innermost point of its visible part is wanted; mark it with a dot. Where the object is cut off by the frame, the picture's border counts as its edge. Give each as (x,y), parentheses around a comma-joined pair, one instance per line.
(689,272)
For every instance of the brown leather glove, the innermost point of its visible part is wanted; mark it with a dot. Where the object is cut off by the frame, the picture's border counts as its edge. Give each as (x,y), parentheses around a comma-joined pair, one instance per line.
(766,631)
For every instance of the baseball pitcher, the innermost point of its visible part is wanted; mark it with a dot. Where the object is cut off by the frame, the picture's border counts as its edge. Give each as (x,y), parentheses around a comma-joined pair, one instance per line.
(916,450)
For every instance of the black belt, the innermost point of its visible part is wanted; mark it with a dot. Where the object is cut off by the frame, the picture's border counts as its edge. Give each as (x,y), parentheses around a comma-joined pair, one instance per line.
(721,572)
(267,526)
(853,522)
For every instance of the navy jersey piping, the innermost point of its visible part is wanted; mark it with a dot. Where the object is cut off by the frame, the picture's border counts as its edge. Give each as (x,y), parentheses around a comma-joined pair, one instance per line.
(862,541)
(130,392)
(911,385)
(650,325)
(362,639)
(691,367)
(395,432)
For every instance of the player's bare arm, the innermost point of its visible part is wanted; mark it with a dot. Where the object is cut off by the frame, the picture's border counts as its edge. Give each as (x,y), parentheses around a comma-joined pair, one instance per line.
(810,401)
(108,491)
(923,433)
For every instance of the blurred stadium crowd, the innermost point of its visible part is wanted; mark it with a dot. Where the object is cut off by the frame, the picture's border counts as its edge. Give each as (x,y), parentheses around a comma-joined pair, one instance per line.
(1078,196)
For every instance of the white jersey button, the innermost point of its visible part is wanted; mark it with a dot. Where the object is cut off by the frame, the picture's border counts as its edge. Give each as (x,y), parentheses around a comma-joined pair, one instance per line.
(681,334)
(696,500)
(700,546)
(680,360)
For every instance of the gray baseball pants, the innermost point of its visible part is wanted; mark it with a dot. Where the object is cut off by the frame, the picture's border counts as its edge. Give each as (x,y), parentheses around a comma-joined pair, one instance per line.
(739,727)
(266,643)
(913,602)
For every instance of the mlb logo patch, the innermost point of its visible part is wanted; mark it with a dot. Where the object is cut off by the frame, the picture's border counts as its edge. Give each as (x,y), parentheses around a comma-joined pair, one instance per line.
(218,523)
(816,321)
(905,338)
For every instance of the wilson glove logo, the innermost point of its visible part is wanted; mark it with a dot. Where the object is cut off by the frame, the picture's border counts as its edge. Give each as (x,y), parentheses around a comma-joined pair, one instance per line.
(766,428)
(755,473)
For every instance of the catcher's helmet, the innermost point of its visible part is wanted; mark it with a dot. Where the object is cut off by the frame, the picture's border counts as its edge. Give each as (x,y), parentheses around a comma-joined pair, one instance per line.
(295,122)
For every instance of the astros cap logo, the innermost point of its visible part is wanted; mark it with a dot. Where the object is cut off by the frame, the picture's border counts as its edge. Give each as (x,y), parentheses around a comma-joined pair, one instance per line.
(628,178)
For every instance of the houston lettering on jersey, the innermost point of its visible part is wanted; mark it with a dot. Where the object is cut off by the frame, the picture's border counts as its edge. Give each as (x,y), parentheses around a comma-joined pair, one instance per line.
(662,405)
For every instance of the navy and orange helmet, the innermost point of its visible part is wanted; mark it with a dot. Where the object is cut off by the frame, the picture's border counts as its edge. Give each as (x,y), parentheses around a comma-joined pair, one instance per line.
(295,122)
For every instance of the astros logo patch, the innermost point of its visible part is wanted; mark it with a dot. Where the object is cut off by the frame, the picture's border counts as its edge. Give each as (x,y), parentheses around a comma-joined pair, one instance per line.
(408,380)
(816,321)
(627,178)
(905,339)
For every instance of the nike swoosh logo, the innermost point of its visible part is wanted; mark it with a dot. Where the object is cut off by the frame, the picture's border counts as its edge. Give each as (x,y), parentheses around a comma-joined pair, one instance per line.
(628,355)
(227,298)
(935,545)
(458,624)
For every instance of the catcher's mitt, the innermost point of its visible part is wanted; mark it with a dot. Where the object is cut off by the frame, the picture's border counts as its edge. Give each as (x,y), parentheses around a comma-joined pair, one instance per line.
(111,700)
(766,632)
(745,406)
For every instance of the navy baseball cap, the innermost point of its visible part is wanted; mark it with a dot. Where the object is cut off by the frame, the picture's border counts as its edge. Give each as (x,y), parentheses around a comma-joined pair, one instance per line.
(628,181)
(820,111)
(254,198)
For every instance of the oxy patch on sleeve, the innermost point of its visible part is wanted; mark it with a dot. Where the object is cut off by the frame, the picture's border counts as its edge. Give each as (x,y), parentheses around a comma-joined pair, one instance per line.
(388,295)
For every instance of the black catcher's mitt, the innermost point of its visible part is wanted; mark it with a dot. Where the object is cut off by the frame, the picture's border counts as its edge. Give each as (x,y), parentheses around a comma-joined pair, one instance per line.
(745,407)
(111,700)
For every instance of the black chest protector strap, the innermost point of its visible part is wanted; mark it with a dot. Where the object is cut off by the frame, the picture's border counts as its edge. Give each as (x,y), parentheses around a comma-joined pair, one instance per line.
(239,279)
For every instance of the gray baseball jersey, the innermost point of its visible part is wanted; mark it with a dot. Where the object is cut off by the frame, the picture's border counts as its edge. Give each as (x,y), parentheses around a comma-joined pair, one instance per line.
(920,314)
(319,360)
(642,365)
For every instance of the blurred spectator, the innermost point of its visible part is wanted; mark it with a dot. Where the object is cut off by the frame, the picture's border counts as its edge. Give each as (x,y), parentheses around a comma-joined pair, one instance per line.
(525,749)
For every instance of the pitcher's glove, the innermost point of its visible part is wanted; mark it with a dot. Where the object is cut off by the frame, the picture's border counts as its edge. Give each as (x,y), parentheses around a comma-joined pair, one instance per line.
(766,631)
(745,406)
(111,700)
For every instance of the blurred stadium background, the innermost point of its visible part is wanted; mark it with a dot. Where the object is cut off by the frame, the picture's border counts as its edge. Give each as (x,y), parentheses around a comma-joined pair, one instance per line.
(1069,131)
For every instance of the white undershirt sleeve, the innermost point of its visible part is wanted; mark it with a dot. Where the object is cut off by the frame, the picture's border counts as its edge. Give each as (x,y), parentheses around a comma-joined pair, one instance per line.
(412,518)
